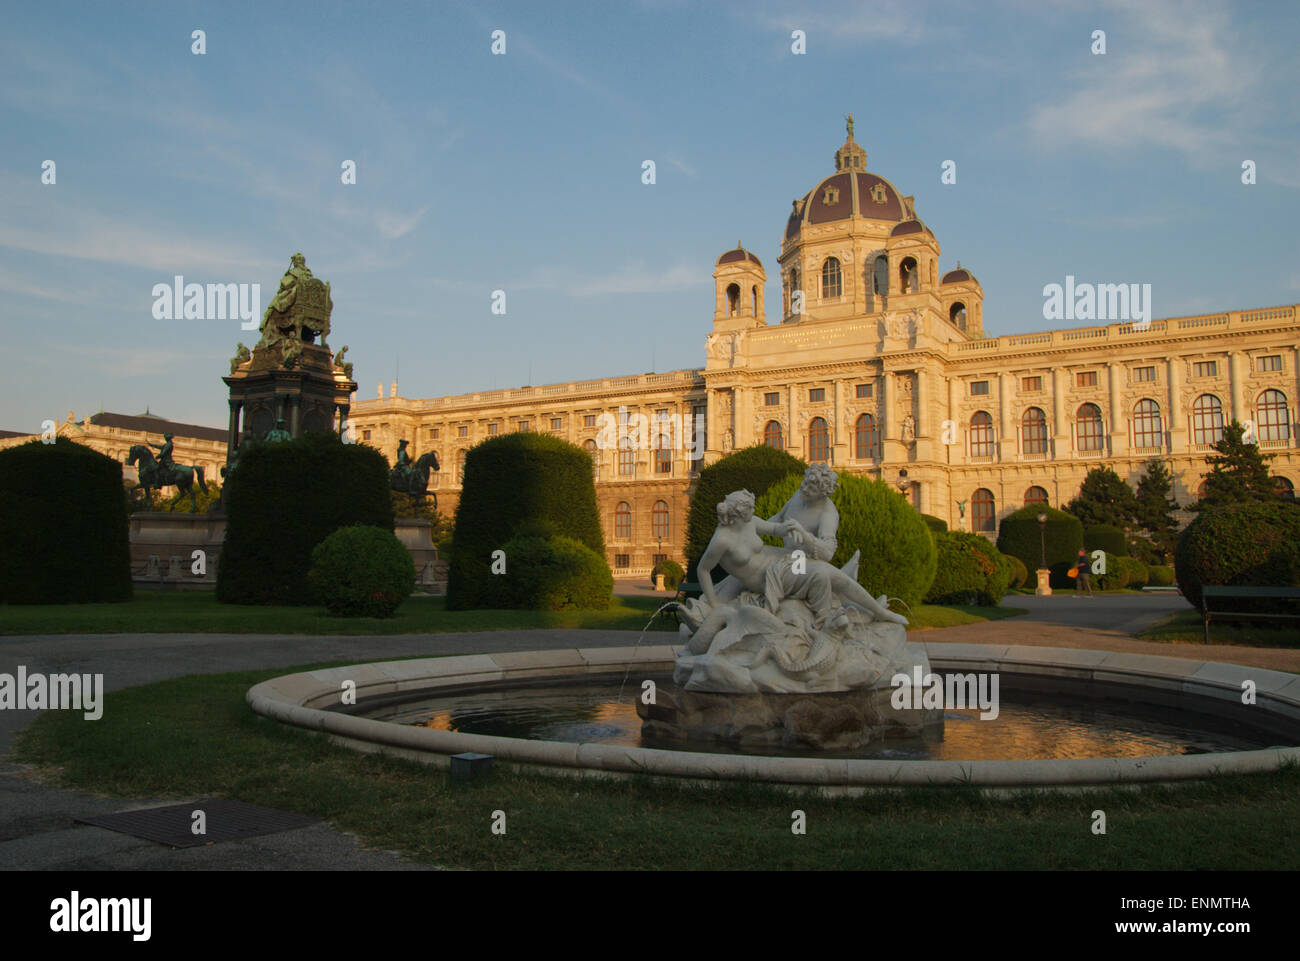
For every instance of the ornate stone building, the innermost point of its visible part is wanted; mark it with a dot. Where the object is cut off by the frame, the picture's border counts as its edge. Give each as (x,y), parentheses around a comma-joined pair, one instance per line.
(879,365)
(115,435)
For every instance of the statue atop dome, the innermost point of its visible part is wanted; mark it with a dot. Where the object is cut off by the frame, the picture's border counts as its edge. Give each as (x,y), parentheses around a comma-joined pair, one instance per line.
(848,125)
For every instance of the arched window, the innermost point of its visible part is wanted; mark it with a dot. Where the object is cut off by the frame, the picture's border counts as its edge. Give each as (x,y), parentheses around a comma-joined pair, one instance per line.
(772,435)
(1201,490)
(589,446)
(981,434)
(659,519)
(1035,495)
(819,441)
(1147,429)
(832,281)
(983,511)
(1088,427)
(865,437)
(460,466)
(957,315)
(1033,430)
(1207,420)
(909,278)
(1285,489)
(623,520)
(880,276)
(733,299)
(753,300)
(626,458)
(1272,417)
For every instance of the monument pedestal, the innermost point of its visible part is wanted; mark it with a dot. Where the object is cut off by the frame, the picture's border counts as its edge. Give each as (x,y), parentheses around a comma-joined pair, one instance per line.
(1044,582)
(163,546)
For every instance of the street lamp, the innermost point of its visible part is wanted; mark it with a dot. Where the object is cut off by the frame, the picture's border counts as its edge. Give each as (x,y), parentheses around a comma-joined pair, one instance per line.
(1044,588)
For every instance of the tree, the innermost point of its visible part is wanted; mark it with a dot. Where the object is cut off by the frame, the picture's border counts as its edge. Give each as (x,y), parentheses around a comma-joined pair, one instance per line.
(1104,498)
(1155,507)
(1238,471)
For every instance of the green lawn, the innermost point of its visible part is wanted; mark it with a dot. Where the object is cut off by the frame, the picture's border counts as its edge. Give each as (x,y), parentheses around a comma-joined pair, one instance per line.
(1186,626)
(194,736)
(198,612)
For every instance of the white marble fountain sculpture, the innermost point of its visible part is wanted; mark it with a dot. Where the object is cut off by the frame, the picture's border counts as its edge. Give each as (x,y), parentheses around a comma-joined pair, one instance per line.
(786,622)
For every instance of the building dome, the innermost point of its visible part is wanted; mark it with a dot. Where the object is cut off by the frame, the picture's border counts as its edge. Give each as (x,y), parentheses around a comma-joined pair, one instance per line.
(957,276)
(738,255)
(851,191)
(909,227)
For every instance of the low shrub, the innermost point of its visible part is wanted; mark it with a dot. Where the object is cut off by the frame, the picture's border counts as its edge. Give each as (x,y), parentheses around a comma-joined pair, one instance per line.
(361,571)
(970,570)
(1160,575)
(1019,535)
(935,524)
(1137,573)
(549,574)
(1250,543)
(672,572)
(1116,573)
(1104,537)
(1019,573)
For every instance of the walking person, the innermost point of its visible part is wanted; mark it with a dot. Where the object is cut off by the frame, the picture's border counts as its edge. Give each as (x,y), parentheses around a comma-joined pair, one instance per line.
(1083,578)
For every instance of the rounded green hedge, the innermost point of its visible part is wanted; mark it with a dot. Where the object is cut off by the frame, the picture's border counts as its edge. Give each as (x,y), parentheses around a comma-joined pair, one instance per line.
(1160,575)
(1105,537)
(1250,543)
(286,498)
(1117,573)
(1137,573)
(935,524)
(361,571)
(1019,573)
(898,551)
(754,469)
(969,570)
(549,574)
(672,572)
(512,481)
(63,526)
(1019,535)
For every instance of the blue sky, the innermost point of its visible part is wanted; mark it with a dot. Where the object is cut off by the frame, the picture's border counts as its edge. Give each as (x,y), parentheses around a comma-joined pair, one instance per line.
(522,172)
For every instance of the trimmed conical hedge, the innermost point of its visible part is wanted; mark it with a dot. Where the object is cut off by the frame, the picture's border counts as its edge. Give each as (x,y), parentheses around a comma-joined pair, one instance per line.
(519,480)
(63,526)
(286,498)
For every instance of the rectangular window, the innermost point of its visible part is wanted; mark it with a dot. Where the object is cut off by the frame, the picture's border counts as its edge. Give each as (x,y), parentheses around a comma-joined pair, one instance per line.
(523,424)
(864,390)
(433,433)
(661,413)
(1270,362)
(817,395)
(1086,378)
(663,458)
(588,420)
(979,387)
(1205,368)
(492,428)
(622,561)
(462,431)
(365,435)
(555,423)
(771,399)
(1030,384)
(1144,373)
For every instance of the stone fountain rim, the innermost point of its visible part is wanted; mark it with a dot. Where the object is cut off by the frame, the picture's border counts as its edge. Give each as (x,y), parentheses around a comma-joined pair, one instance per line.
(300,700)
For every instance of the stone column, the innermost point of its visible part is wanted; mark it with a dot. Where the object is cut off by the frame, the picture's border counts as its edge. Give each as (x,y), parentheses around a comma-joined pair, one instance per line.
(1178,439)
(1060,438)
(1006,436)
(232,437)
(956,450)
(1235,385)
(794,436)
(841,433)
(1118,433)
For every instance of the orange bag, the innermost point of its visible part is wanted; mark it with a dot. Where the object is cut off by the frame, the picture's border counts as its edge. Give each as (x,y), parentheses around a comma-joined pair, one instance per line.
(1072,572)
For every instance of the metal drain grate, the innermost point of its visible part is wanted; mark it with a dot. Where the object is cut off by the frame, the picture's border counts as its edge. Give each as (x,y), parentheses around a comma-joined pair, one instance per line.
(225,821)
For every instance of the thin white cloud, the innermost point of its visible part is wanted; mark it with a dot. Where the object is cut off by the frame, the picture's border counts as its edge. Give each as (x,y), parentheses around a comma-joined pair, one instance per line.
(840,21)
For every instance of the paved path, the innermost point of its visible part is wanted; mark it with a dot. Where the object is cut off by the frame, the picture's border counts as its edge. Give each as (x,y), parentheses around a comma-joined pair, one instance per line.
(36,821)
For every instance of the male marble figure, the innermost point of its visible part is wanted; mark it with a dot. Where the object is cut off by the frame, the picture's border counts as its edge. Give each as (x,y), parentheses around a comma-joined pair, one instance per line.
(772,573)
(815,518)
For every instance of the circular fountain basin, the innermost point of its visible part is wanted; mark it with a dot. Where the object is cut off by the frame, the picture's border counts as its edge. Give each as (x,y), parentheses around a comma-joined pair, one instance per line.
(315,701)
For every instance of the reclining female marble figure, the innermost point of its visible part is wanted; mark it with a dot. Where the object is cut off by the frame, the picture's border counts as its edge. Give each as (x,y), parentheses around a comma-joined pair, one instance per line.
(816,523)
(772,572)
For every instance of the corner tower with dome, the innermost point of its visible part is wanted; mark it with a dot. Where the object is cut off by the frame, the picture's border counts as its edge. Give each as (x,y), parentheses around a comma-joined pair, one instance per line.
(880,365)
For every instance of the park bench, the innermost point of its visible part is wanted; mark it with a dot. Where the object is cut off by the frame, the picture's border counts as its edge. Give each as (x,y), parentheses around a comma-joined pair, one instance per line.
(1250,593)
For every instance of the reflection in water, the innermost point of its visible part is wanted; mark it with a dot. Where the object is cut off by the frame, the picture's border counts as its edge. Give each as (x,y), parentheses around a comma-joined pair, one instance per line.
(1028,727)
